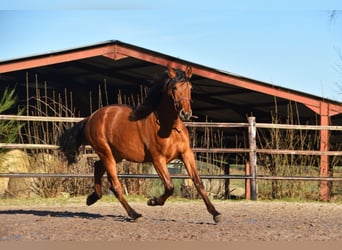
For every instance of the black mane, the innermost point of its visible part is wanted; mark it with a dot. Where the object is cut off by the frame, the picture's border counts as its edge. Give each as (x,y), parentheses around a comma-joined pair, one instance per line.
(155,95)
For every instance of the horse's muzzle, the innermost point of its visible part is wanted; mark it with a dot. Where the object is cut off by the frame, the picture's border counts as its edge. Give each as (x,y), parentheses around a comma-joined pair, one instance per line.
(185,115)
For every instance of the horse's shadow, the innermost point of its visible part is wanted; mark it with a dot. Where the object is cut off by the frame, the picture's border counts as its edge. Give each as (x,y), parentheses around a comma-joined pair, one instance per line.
(64,214)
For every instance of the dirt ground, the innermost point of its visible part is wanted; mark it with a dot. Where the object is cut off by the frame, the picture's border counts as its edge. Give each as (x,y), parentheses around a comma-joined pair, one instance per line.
(175,221)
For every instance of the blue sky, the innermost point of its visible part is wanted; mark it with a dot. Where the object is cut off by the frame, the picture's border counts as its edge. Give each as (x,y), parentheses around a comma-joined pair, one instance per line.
(296,46)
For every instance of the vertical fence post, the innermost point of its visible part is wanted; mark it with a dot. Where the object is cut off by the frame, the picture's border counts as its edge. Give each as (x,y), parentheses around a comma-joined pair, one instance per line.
(227,182)
(252,156)
(248,181)
(325,168)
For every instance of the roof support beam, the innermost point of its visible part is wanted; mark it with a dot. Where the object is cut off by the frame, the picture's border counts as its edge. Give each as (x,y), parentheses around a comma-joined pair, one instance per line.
(107,50)
(147,57)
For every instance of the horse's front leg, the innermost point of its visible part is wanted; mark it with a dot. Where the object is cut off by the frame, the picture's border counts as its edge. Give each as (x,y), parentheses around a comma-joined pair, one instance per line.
(190,164)
(163,172)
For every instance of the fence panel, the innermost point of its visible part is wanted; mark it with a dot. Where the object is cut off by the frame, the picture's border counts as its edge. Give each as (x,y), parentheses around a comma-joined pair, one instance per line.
(250,176)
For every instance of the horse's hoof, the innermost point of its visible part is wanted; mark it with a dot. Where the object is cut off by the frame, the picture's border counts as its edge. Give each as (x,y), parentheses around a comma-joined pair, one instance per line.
(217,218)
(152,202)
(91,199)
(134,216)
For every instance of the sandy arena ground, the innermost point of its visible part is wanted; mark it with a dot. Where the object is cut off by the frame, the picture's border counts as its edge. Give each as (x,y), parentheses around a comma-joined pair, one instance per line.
(175,221)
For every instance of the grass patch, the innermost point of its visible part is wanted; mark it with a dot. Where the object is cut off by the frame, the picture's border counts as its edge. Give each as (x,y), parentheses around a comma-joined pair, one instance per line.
(108,199)
(39,201)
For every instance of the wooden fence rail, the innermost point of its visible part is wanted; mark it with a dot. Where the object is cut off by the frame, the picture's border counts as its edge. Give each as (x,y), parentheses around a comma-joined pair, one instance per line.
(251,174)
(196,150)
(173,176)
(188,124)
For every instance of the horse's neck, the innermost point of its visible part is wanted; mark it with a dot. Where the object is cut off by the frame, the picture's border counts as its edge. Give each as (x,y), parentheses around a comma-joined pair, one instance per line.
(167,120)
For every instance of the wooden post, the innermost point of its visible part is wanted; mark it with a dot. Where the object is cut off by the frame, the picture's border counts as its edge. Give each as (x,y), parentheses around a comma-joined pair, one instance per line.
(248,181)
(252,156)
(325,170)
(227,182)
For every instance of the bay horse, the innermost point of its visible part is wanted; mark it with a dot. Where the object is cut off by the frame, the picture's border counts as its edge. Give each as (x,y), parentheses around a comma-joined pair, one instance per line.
(151,132)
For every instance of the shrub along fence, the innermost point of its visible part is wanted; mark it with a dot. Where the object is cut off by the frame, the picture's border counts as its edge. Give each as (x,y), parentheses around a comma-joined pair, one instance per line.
(254,165)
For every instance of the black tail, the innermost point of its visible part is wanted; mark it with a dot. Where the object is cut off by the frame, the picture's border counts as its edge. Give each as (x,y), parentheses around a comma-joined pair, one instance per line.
(71,141)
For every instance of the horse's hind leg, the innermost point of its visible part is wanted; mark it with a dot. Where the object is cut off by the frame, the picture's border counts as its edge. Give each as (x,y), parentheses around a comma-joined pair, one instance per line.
(99,171)
(115,185)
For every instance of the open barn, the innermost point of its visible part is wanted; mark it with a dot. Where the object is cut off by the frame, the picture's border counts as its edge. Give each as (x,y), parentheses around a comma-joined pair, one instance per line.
(89,77)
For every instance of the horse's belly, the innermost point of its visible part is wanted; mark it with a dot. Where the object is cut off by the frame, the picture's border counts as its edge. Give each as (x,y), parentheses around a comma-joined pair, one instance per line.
(129,152)
(127,144)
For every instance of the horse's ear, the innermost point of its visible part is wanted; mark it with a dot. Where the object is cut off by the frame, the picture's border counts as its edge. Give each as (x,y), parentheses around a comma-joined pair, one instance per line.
(188,72)
(171,72)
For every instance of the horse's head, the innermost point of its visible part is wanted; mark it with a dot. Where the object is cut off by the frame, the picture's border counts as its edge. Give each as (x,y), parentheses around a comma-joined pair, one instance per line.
(179,88)
(175,86)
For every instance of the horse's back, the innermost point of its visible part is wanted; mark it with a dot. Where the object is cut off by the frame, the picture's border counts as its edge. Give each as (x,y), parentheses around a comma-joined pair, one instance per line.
(110,117)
